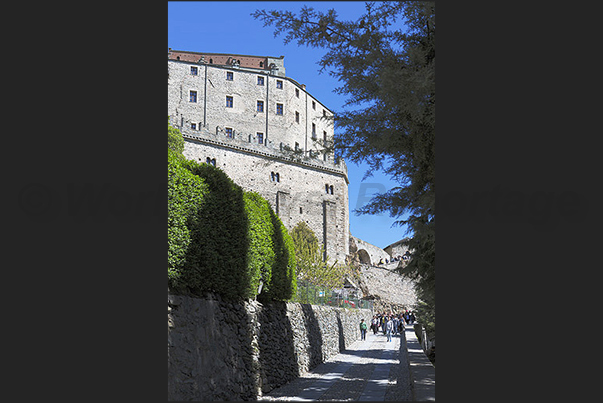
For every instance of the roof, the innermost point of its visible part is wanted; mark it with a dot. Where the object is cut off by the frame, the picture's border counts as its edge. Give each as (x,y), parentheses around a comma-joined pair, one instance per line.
(221,54)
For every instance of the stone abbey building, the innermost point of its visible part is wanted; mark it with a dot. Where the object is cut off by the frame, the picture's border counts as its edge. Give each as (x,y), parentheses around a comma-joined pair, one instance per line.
(242,114)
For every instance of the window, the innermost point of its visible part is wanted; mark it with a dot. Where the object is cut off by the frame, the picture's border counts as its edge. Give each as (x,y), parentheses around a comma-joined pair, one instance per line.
(301,211)
(193,96)
(261,64)
(296,146)
(324,135)
(313,105)
(278,177)
(327,188)
(313,131)
(194,126)
(229,76)
(211,61)
(331,189)
(194,70)
(275,177)
(260,106)
(279,109)
(279,84)
(211,161)
(260,80)
(228,131)
(229,102)
(260,138)
(297,92)
(297,116)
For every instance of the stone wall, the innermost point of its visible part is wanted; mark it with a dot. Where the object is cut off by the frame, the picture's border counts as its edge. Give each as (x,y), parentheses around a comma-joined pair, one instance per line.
(219,350)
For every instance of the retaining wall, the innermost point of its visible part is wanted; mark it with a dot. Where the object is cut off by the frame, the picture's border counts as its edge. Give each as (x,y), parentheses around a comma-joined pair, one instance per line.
(219,350)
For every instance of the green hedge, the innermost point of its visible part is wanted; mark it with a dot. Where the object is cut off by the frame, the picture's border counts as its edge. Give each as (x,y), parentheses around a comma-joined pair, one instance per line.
(284,280)
(223,239)
(186,195)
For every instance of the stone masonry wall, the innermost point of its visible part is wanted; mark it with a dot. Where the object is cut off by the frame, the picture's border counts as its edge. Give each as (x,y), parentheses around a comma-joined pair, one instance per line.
(220,350)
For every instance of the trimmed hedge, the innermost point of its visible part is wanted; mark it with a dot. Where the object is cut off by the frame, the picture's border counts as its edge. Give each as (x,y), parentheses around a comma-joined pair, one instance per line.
(284,280)
(223,239)
(186,195)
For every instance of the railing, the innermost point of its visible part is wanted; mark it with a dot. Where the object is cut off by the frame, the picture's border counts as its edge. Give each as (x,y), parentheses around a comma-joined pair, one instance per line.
(308,293)
(244,141)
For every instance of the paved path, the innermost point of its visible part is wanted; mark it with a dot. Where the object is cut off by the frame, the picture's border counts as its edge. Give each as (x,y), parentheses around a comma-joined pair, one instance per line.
(367,370)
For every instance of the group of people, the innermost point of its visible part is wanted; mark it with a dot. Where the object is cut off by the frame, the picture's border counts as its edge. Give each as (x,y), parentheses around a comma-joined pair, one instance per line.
(406,256)
(388,323)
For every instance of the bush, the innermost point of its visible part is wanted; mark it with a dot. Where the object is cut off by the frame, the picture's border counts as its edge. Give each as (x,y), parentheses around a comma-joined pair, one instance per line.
(186,195)
(223,239)
(284,280)
(219,241)
(261,255)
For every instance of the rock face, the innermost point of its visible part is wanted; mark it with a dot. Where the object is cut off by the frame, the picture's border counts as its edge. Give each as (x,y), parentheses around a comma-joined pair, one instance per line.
(220,350)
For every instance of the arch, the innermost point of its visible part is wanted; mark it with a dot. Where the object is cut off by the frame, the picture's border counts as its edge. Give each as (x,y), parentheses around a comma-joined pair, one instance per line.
(364,256)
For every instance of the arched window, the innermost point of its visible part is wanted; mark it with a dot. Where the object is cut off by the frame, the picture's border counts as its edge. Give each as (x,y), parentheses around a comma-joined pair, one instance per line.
(261,64)
(211,61)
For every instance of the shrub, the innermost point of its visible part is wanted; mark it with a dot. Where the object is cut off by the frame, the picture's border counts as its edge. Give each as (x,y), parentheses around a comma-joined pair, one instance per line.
(219,240)
(284,281)
(223,239)
(186,194)
(261,255)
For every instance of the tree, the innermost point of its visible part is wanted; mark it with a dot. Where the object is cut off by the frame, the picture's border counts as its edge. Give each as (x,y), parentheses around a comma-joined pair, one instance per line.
(175,140)
(388,73)
(310,266)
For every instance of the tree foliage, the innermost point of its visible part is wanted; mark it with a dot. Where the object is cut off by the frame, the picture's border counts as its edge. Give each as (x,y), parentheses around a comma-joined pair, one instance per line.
(310,265)
(385,62)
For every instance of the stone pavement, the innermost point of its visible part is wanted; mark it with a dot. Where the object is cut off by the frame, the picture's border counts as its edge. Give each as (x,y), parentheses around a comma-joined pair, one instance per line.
(369,370)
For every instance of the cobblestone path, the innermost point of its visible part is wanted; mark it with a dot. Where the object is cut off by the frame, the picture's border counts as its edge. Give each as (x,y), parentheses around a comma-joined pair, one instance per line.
(368,370)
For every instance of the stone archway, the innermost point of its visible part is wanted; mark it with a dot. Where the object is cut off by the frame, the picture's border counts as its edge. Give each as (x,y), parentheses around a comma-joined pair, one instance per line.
(364,256)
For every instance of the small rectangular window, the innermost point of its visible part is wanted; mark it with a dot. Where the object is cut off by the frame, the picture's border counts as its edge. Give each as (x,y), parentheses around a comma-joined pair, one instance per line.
(194,126)
(297,92)
(296,117)
(324,135)
(228,131)
(260,138)
(229,75)
(279,109)
(279,84)
(260,106)
(313,130)
(194,70)
(193,96)
(260,80)
(313,105)
(229,102)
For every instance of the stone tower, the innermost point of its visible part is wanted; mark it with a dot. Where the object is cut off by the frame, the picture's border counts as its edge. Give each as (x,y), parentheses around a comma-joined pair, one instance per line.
(266,132)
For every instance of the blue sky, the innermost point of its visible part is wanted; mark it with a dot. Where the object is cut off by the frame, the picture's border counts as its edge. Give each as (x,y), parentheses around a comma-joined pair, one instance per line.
(228,27)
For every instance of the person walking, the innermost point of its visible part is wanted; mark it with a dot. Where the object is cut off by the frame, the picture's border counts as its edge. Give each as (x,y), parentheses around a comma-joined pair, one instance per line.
(396,324)
(388,329)
(362,330)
